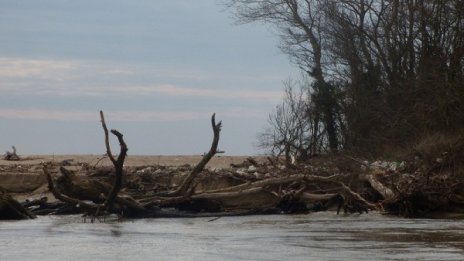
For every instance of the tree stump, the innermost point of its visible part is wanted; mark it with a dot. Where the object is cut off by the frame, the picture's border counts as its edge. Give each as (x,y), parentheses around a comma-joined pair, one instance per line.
(11,155)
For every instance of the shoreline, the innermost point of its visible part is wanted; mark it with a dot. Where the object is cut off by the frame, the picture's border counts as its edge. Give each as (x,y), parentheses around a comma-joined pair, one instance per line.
(218,161)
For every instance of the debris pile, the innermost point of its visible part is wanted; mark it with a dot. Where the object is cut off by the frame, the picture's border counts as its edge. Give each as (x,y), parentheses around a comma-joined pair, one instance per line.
(414,188)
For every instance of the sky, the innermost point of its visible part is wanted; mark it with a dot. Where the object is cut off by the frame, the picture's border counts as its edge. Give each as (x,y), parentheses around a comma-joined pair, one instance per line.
(158,70)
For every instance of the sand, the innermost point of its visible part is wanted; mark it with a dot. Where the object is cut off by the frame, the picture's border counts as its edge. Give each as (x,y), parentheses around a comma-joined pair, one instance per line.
(218,161)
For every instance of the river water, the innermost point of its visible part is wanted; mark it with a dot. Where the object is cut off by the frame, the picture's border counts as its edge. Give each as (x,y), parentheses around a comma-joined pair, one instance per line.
(320,236)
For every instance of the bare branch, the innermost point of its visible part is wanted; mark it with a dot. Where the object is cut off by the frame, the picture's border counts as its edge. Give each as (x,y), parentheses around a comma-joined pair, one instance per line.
(107,139)
(184,187)
(118,164)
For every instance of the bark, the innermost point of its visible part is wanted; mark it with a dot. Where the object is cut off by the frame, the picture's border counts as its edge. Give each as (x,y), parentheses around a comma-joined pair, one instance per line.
(386,192)
(10,209)
(187,183)
(112,196)
(118,163)
(220,195)
(317,197)
(69,200)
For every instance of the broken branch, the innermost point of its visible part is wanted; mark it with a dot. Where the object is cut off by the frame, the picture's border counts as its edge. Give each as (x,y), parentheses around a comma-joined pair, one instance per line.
(184,187)
(118,164)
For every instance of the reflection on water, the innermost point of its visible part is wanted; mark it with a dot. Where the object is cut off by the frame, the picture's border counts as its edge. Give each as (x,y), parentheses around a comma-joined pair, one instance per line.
(321,236)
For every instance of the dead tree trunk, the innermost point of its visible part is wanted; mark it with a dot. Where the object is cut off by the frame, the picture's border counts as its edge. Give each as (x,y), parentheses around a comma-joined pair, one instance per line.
(186,184)
(118,163)
(112,196)
(384,191)
(118,204)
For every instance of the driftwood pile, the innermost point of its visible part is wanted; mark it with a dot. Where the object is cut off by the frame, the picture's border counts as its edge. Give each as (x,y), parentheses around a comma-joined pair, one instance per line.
(338,182)
(247,188)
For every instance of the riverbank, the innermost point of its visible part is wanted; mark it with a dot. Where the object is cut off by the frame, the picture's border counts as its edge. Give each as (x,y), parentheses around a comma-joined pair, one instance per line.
(231,185)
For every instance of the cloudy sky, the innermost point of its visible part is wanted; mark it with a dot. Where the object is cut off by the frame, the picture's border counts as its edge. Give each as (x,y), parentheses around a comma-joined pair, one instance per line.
(158,69)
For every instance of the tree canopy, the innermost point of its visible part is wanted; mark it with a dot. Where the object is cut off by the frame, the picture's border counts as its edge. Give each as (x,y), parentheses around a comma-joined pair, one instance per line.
(383,73)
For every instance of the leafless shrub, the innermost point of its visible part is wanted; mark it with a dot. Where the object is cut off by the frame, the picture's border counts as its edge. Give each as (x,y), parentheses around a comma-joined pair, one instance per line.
(294,129)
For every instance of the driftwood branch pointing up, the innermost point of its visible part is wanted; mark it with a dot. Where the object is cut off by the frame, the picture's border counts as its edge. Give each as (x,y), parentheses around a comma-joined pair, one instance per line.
(107,139)
(118,163)
(184,187)
(113,194)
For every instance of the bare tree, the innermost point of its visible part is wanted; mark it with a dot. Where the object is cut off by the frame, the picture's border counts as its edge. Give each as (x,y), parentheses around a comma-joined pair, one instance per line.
(384,72)
(301,25)
(294,128)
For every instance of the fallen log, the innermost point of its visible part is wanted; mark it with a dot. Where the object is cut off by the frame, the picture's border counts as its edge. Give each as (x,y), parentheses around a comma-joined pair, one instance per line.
(384,191)
(219,195)
(10,209)
(262,183)
(317,197)
(82,187)
(84,206)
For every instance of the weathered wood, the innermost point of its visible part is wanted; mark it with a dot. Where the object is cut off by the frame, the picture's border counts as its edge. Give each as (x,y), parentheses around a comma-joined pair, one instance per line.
(10,209)
(386,192)
(317,197)
(118,163)
(11,155)
(220,195)
(292,193)
(261,183)
(112,196)
(82,187)
(187,182)
(364,203)
(71,201)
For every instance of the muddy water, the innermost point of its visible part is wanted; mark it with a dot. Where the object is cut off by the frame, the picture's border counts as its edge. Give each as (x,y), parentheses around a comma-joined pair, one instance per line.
(324,236)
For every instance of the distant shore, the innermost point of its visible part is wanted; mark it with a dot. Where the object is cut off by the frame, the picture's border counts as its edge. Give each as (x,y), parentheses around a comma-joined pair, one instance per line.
(219,161)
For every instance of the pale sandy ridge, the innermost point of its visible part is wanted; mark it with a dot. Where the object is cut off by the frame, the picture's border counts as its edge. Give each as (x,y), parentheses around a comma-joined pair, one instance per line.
(219,161)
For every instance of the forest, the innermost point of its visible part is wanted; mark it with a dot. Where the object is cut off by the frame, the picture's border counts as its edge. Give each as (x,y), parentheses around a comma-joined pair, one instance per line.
(378,76)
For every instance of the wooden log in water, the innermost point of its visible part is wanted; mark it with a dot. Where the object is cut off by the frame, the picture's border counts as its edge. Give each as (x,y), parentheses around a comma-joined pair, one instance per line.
(10,209)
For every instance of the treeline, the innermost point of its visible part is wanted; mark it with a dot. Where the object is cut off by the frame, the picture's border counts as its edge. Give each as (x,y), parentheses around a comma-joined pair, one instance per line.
(378,74)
